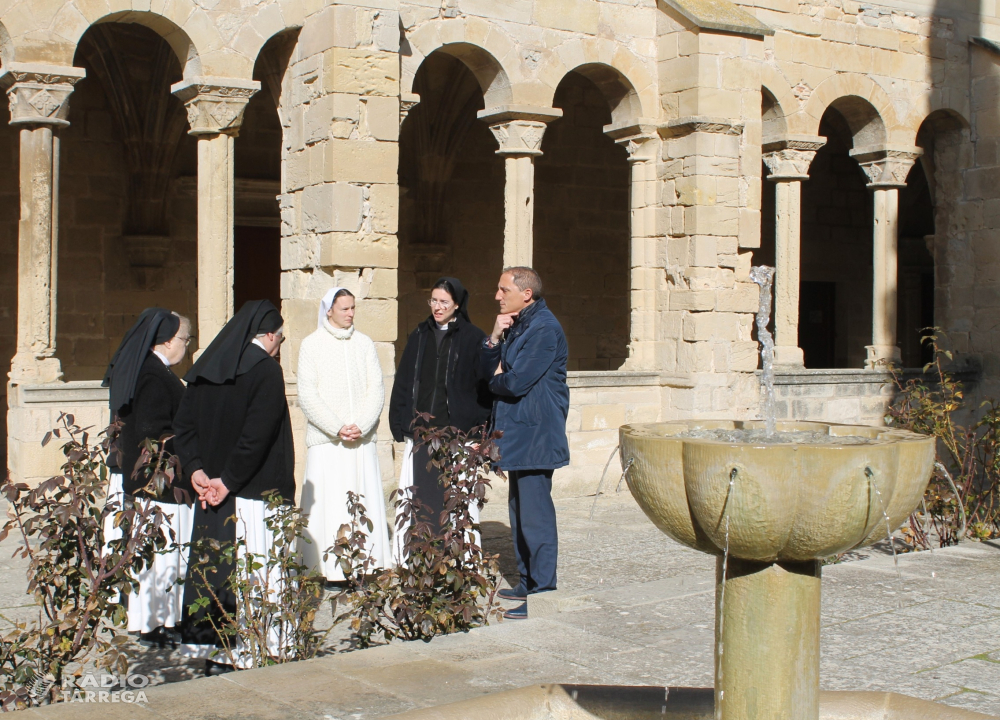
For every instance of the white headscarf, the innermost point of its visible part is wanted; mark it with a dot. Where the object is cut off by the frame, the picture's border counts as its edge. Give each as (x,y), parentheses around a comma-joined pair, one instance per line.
(325,304)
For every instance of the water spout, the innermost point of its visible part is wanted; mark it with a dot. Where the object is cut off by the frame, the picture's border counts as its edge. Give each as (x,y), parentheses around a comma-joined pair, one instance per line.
(764,277)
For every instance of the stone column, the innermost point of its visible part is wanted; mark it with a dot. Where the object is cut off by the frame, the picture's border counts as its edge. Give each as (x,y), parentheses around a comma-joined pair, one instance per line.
(39,106)
(886,168)
(215,108)
(642,143)
(519,131)
(788,163)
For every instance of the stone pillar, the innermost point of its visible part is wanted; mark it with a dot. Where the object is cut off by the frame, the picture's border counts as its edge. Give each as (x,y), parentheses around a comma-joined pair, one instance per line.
(39,106)
(788,162)
(767,636)
(215,108)
(886,168)
(642,143)
(519,131)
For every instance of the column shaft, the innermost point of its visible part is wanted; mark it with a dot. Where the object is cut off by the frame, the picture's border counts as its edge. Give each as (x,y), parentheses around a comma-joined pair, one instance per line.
(36,328)
(767,641)
(215,234)
(519,210)
(787,254)
(884,271)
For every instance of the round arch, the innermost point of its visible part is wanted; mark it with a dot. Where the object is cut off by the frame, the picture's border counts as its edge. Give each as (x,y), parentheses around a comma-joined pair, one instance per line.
(475,43)
(865,106)
(620,75)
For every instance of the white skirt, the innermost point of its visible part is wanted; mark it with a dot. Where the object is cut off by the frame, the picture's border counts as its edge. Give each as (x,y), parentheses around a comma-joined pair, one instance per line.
(332,471)
(405,486)
(160,599)
(251,525)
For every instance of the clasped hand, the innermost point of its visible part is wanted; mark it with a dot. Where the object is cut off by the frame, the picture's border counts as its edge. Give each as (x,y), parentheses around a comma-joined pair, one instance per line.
(350,433)
(211,491)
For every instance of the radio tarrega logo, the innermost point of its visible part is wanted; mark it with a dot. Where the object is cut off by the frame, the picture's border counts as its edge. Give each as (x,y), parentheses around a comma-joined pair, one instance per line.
(105,688)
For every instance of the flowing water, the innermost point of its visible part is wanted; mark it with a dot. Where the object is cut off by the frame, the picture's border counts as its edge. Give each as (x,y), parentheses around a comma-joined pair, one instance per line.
(764,277)
(888,532)
(601,483)
(722,590)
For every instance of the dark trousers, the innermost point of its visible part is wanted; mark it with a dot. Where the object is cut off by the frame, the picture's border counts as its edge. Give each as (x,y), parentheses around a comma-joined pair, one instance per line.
(533,526)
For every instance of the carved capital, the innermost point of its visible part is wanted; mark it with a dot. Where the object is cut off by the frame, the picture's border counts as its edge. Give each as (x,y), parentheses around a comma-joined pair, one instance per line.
(519,129)
(519,137)
(39,94)
(788,159)
(407,101)
(640,139)
(886,166)
(215,105)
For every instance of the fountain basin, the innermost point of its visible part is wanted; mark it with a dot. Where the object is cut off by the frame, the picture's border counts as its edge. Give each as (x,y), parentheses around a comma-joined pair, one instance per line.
(782,502)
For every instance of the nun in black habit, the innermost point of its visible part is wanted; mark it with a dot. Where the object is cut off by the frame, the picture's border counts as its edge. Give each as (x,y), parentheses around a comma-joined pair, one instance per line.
(234,439)
(440,374)
(144,397)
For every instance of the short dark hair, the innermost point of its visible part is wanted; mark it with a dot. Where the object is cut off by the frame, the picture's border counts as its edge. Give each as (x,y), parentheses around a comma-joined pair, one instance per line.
(343,292)
(525,278)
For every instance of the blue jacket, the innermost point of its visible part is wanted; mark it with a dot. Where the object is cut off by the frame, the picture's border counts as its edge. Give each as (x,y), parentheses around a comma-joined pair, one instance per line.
(532,398)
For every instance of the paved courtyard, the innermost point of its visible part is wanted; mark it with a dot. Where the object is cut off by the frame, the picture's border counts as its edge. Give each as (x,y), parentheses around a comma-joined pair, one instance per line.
(633,608)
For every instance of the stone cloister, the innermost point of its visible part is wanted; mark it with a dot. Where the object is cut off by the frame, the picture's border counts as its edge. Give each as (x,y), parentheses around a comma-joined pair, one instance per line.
(641,154)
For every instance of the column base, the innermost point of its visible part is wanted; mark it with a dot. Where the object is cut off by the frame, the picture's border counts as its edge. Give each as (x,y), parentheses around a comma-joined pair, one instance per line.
(27,368)
(789,356)
(880,357)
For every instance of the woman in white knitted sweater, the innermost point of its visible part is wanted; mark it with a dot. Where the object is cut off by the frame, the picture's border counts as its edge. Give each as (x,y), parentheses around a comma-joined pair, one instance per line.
(341,394)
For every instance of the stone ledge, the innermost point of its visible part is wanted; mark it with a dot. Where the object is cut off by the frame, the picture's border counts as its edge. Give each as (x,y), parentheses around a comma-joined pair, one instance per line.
(79,392)
(845,376)
(625,379)
(720,15)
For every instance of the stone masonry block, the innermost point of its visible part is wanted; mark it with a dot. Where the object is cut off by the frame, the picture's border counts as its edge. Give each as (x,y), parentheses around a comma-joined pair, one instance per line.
(361,161)
(711,326)
(702,251)
(602,417)
(573,15)
(377,319)
(317,119)
(381,117)
(351,250)
(384,201)
(332,207)
(693,300)
(741,299)
(362,71)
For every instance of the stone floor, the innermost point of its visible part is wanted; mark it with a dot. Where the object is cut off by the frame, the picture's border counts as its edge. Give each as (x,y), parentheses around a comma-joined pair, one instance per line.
(633,608)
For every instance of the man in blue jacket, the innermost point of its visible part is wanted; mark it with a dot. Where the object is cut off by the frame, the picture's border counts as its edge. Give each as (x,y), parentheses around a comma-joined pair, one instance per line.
(526,356)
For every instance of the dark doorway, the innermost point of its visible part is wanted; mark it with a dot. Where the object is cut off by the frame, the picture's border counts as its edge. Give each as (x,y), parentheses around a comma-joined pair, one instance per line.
(257,265)
(817,323)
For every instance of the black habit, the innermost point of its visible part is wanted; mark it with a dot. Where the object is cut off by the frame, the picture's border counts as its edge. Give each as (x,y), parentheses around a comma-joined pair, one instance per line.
(441,376)
(158,393)
(233,424)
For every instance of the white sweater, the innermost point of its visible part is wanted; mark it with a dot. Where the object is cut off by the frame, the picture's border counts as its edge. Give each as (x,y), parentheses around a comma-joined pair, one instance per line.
(340,383)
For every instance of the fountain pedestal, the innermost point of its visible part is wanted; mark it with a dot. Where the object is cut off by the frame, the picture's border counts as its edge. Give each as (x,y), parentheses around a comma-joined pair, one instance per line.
(771,511)
(767,640)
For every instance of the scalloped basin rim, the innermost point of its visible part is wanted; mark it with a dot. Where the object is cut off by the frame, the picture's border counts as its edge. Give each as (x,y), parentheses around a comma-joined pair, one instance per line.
(775,502)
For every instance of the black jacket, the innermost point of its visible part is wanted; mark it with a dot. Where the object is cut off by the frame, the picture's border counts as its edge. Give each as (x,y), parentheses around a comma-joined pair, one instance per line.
(240,431)
(158,394)
(469,399)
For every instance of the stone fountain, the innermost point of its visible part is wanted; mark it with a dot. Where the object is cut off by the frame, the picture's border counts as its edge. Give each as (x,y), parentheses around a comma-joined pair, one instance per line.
(771,500)
(771,511)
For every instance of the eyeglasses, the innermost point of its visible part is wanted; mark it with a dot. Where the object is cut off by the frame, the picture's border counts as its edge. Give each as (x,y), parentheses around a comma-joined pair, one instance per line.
(433,302)
(187,340)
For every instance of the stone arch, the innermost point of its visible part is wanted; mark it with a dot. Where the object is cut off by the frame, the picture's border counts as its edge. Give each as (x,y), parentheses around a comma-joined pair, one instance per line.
(6,46)
(772,117)
(188,51)
(866,107)
(623,78)
(481,47)
(254,37)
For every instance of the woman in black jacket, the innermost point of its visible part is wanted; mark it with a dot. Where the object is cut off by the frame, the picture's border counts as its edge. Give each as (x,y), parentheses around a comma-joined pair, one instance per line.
(144,397)
(439,374)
